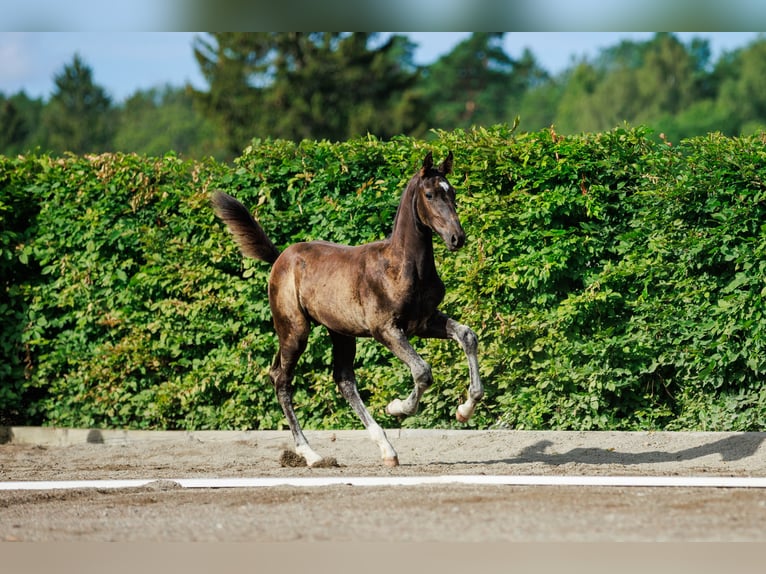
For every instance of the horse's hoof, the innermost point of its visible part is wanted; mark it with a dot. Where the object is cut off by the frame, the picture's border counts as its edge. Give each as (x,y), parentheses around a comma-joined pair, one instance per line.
(310,457)
(460,416)
(394,408)
(391,462)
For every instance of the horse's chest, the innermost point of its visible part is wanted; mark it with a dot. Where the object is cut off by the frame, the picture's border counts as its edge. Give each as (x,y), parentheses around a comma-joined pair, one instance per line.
(431,295)
(419,303)
(408,294)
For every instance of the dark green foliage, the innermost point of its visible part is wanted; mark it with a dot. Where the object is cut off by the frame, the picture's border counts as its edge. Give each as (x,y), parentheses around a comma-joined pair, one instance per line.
(614,282)
(18,273)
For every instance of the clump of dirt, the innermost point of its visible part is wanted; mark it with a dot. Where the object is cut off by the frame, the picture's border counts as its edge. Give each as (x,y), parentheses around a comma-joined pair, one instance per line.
(291,459)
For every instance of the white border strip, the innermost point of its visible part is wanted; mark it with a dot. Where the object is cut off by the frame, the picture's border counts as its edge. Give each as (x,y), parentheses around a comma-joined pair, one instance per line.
(504,480)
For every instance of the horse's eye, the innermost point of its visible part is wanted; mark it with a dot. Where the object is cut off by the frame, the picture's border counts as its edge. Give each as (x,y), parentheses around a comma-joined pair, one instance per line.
(429,195)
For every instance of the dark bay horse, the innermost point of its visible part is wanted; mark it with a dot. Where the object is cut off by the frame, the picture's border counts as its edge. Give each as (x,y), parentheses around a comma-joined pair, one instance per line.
(388,290)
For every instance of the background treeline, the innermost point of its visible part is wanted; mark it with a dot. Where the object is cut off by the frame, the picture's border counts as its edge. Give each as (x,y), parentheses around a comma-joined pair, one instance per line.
(615,282)
(338,86)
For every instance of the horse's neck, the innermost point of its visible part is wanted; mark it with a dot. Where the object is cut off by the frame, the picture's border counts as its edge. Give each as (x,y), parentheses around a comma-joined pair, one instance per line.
(412,243)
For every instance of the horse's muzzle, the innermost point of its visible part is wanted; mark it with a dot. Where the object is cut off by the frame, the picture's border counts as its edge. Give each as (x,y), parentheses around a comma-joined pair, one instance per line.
(455,240)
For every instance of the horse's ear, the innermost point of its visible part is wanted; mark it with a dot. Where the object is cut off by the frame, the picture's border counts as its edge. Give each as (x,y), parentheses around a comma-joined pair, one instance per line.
(428,163)
(446,165)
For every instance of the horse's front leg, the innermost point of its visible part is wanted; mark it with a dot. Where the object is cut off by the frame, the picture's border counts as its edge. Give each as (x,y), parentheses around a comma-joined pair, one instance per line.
(397,342)
(440,326)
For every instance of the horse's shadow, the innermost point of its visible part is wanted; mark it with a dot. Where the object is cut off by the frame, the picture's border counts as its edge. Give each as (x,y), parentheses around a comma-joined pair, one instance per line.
(730,448)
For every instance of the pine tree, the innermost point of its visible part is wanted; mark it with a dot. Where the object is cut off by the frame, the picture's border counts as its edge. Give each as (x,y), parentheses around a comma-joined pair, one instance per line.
(319,85)
(472,84)
(78,117)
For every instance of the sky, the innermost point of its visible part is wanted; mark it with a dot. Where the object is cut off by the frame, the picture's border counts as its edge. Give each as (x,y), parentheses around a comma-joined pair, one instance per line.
(124,62)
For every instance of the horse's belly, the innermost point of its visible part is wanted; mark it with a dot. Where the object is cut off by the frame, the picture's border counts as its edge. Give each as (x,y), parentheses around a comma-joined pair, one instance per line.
(337,310)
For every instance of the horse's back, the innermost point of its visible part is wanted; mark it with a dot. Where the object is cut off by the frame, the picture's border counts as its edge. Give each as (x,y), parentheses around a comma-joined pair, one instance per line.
(324,258)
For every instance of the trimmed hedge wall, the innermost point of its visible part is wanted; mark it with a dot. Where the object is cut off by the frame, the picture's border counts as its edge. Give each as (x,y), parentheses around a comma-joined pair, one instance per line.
(615,282)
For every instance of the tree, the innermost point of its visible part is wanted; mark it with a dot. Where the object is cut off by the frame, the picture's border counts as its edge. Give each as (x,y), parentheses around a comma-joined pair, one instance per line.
(635,82)
(79,116)
(160,120)
(297,85)
(471,85)
(531,94)
(13,127)
(743,87)
(668,79)
(574,112)
(19,123)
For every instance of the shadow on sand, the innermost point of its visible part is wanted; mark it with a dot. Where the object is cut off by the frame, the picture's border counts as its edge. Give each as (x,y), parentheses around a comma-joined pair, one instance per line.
(730,448)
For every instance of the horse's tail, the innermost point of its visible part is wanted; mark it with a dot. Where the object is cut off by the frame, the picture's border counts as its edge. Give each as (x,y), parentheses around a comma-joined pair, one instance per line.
(249,235)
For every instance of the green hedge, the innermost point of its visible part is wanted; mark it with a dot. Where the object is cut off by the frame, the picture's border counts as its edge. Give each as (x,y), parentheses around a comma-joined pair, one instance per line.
(614,282)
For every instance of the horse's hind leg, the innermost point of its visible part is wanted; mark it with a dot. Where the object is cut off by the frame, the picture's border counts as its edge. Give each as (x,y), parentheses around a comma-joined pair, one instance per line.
(344,350)
(282,373)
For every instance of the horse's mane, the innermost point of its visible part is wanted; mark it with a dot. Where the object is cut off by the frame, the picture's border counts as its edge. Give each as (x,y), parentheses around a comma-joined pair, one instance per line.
(406,201)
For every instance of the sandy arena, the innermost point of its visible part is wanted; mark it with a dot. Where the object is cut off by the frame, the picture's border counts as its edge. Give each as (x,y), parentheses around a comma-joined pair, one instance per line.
(164,511)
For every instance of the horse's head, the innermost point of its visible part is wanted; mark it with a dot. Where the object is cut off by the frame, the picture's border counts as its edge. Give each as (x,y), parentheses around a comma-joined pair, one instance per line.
(435,202)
